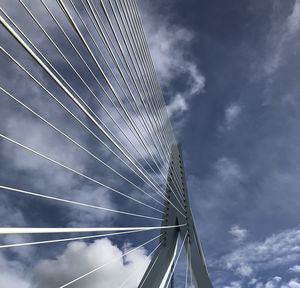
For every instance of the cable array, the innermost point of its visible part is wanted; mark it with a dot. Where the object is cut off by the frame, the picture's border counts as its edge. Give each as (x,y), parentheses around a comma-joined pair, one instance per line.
(98,70)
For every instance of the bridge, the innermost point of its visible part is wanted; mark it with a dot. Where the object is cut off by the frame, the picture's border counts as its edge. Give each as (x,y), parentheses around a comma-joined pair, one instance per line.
(115,97)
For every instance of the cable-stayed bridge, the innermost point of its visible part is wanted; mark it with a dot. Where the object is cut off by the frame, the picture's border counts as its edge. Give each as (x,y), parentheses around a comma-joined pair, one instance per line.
(91,59)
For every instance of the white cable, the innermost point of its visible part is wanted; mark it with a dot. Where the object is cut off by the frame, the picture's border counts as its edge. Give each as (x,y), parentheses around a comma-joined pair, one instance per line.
(153,264)
(137,50)
(67,239)
(176,261)
(60,84)
(170,265)
(78,53)
(135,272)
(11,189)
(149,74)
(73,115)
(106,43)
(187,267)
(81,147)
(71,96)
(134,53)
(144,55)
(150,62)
(139,133)
(63,87)
(142,73)
(131,121)
(191,271)
(128,9)
(65,58)
(71,88)
(87,66)
(29,230)
(72,170)
(127,64)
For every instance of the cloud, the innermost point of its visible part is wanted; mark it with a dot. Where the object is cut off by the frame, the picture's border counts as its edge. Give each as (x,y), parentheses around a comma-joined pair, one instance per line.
(169,45)
(294,283)
(165,38)
(275,251)
(79,258)
(234,284)
(238,233)
(272,283)
(232,114)
(280,39)
(197,79)
(12,274)
(277,279)
(277,282)
(220,186)
(177,105)
(252,281)
(228,170)
(41,139)
(47,178)
(295,269)
(244,270)
(222,190)
(180,102)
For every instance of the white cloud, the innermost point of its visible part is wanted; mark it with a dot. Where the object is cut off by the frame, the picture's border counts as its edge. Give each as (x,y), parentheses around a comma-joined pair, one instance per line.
(12,274)
(79,258)
(169,46)
(277,279)
(221,190)
(252,281)
(217,190)
(232,114)
(228,170)
(43,140)
(49,175)
(197,80)
(275,251)
(259,285)
(238,233)
(293,21)
(270,284)
(294,283)
(280,39)
(180,102)
(234,284)
(177,105)
(82,217)
(273,283)
(244,270)
(166,43)
(295,269)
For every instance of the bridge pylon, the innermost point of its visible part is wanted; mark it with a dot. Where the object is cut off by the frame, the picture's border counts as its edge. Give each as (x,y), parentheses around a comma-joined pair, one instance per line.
(160,267)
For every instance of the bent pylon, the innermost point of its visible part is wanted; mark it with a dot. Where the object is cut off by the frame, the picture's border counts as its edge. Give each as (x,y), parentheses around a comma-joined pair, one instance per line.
(159,268)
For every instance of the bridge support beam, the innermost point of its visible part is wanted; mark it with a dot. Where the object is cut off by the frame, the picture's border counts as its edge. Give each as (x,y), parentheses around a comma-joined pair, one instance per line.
(160,267)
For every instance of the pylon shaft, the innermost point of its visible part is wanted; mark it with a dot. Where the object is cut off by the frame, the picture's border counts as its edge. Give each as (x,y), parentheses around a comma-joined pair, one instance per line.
(162,261)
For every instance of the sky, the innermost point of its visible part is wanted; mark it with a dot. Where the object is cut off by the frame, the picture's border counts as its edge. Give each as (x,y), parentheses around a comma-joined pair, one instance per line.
(239,131)
(229,75)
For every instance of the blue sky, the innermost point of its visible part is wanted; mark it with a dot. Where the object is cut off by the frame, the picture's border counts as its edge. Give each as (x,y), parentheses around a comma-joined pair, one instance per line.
(229,74)
(240,133)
